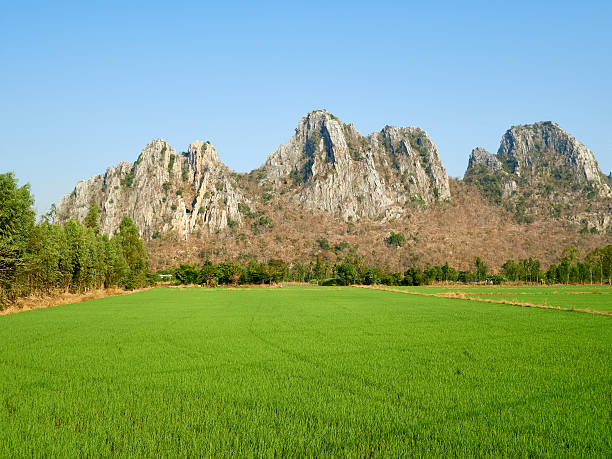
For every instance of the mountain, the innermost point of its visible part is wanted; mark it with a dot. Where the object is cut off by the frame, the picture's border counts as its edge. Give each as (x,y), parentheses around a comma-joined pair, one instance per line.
(330,191)
(329,165)
(542,171)
(325,165)
(162,191)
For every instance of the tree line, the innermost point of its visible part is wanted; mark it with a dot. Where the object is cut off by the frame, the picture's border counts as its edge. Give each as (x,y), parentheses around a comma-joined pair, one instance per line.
(42,258)
(595,268)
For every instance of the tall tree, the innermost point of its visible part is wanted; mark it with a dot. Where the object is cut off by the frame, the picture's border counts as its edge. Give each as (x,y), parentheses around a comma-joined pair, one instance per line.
(134,252)
(16,223)
(481,269)
(92,219)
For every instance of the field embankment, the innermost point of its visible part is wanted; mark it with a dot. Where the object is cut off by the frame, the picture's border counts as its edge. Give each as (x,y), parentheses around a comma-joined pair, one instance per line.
(28,303)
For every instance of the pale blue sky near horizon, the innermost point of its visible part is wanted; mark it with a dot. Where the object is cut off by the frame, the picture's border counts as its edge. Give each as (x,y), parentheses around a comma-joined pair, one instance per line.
(84,86)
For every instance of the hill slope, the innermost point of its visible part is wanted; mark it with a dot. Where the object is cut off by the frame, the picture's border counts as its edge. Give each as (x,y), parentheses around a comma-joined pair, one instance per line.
(330,191)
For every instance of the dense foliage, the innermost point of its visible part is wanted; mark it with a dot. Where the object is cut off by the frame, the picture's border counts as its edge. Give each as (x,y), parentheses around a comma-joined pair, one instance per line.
(40,258)
(351,270)
(595,268)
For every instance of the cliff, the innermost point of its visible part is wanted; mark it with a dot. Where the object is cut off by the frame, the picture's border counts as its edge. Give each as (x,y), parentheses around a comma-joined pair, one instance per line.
(331,166)
(162,191)
(325,165)
(542,171)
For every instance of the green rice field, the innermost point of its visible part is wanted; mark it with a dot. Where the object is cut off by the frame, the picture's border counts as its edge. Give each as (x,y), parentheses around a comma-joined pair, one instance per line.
(304,371)
(492,289)
(590,301)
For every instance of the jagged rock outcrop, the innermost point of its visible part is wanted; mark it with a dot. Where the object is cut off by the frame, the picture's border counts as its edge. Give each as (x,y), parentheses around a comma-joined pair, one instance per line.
(162,191)
(538,171)
(329,165)
(325,165)
(541,169)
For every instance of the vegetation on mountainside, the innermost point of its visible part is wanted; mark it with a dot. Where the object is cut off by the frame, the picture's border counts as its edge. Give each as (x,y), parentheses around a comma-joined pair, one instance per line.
(456,232)
(546,188)
(488,183)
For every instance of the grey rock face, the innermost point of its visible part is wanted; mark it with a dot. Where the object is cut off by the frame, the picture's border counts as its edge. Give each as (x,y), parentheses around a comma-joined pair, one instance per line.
(541,165)
(536,153)
(162,191)
(544,147)
(331,166)
(481,157)
(325,165)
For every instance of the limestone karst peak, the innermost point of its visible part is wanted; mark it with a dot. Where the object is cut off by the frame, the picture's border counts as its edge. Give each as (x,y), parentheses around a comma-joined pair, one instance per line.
(335,168)
(483,158)
(204,150)
(540,169)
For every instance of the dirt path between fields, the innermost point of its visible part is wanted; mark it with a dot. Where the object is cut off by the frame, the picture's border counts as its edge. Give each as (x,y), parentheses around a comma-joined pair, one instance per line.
(461,296)
(539,293)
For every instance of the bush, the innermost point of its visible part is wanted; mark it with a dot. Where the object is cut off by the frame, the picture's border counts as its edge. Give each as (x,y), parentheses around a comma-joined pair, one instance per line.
(170,164)
(395,239)
(323,243)
(497,279)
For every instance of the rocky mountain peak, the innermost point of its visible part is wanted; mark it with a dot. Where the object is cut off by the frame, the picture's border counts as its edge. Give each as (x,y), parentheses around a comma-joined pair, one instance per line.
(162,191)
(540,169)
(204,152)
(332,166)
(530,149)
(481,157)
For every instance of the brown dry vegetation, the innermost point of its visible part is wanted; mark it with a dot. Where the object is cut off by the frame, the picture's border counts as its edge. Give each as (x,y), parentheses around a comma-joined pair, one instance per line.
(456,232)
(37,302)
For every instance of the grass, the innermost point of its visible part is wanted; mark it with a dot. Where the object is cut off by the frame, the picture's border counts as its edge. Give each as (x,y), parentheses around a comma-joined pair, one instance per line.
(303,371)
(592,301)
(493,289)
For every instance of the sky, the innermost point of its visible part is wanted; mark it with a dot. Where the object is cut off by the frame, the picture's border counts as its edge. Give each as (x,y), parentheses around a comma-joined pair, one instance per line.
(84,85)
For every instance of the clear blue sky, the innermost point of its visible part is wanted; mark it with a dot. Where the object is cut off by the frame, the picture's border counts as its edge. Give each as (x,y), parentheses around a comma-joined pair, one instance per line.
(85,85)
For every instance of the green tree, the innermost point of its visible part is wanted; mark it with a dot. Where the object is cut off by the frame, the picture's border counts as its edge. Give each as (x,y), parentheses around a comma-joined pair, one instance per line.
(277,270)
(395,239)
(16,223)
(346,273)
(481,270)
(135,254)
(510,270)
(117,269)
(48,267)
(92,219)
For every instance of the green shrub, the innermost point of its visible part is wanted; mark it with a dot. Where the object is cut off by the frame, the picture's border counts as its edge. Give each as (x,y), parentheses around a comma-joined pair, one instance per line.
(171,164)
(128,179)
(395,239)
(323,244)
